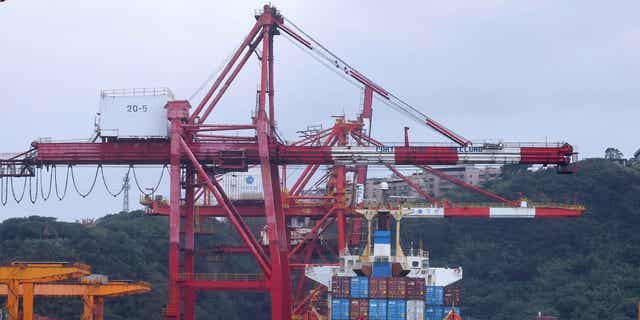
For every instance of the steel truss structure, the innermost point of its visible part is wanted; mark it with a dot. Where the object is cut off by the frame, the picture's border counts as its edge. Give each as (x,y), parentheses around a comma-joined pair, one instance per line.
(198,152)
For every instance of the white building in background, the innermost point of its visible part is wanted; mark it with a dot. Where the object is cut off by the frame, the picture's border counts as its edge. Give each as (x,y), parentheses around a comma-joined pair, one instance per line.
(430,183)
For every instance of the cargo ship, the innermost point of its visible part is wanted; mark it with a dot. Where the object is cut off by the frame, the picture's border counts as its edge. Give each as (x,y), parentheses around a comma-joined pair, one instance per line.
(379,285)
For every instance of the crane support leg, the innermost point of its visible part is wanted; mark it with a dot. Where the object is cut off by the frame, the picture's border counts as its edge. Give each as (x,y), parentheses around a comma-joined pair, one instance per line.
(13,301)
(99,308)
(189,239)
(340,206)
(177,113)
(279,282)
(27,301)
(88,309)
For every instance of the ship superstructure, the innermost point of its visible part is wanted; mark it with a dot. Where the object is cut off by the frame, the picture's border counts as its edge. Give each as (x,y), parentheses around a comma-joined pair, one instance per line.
(381,283)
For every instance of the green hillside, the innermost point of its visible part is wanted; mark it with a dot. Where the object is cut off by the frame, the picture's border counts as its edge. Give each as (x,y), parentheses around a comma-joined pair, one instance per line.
(584,268)
(579,268)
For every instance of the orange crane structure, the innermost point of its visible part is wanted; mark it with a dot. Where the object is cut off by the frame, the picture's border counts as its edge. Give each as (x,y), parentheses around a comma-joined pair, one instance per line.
(93,294)
(20,279)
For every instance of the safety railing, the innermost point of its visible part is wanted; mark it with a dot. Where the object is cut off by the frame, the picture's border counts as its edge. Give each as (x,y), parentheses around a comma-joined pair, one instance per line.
(486,143)
(529,204)
(221,276)
(123,92)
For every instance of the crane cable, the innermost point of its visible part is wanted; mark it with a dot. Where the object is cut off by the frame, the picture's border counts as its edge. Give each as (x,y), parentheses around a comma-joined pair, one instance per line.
(66,182)
(7,183)
(93,184)
(4,191)
(42,183)
(13,192)
(215,73)
(395,103)
(31,198)
(104,181)
(154,189)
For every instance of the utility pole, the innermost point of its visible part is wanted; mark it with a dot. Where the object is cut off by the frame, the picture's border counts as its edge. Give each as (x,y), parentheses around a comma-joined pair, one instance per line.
(125,193)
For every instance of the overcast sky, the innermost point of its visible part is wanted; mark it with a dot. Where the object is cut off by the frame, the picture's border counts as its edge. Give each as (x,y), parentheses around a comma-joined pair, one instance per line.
(511,70)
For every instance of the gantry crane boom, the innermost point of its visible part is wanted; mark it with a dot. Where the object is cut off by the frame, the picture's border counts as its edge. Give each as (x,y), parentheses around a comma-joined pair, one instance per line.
(92,294)
(216,153)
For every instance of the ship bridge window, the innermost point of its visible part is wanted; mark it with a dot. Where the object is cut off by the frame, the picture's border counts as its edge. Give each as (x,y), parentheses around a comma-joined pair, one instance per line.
(415,264)
(350,263)
(342,261)
(425,263)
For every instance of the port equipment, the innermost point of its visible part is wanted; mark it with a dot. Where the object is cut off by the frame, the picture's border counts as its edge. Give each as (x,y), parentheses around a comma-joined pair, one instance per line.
(197,152)
(22,277)
(93,293)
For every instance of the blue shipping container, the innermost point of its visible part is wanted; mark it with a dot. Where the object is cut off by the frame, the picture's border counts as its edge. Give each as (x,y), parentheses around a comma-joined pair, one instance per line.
(381,270)
(396,309)
(377,309)
(360,287)
(383,237)
(340,309)
(434,295)
(430,313)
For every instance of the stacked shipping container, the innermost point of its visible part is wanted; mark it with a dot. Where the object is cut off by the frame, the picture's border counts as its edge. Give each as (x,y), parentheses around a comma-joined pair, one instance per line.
(452,296)
(377,309)
(362,298)
(340,309)
(359,309)
(415,310)
(440,300)
(396,309)
(360,287)
(341,287)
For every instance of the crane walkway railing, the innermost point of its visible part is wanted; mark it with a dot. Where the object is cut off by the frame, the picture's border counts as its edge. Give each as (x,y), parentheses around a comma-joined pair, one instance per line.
(529,204)
(221,276)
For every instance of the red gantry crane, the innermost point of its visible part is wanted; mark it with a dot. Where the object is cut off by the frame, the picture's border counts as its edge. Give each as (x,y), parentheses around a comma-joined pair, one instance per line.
(199,152)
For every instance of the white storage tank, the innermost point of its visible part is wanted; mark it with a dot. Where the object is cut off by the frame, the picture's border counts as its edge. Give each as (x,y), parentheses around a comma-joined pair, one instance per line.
(134,113)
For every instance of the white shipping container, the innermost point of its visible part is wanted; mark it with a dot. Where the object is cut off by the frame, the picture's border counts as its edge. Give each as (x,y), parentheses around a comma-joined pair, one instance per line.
(415,309)
(95,279)
(134,113)
(243,185)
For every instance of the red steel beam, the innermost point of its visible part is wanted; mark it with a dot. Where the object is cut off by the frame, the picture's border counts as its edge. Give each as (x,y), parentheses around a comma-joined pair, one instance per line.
(536,211)
(189,240)
(411,184)
(467,185)
(125,153)
(232,77)
(280,278)
(304,304)
(340,190)
(313,233)
(314,138)
(255,210)
(222,75)
(232,213)
(226,285)
(310,170)
(177,111)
